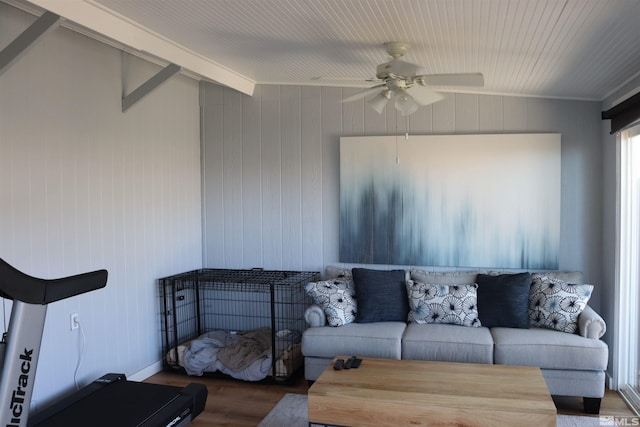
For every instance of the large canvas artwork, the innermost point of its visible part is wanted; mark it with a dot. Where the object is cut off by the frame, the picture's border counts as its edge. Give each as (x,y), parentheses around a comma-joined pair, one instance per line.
(451,200)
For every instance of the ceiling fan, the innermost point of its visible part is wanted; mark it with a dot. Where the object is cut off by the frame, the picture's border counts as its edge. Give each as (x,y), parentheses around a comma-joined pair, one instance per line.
(398,80)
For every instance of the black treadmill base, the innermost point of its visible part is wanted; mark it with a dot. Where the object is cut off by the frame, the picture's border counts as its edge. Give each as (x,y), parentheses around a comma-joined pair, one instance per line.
(114,401)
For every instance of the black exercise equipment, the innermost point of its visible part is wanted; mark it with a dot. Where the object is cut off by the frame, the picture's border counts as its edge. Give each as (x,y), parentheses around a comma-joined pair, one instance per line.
(138,404)
(111,400)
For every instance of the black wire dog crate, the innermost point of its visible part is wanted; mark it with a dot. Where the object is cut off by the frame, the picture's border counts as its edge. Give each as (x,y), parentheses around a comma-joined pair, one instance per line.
(247,324)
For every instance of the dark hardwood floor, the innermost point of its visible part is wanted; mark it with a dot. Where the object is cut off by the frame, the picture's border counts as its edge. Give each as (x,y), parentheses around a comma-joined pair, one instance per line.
(242,404)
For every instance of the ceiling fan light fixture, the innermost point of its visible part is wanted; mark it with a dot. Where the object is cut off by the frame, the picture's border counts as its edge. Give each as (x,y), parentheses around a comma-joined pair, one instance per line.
(405,103)
(400,80)
(379,101)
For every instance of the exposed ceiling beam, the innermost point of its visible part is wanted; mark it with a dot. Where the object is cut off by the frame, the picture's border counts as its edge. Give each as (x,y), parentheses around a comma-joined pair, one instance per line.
(106,23)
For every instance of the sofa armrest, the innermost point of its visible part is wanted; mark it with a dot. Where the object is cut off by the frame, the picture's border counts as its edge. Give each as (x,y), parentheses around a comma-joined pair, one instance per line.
(314,316)
(591,324)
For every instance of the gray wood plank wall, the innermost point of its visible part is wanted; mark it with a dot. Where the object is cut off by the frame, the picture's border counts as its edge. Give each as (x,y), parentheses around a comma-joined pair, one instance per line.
(273,194)
(84,186)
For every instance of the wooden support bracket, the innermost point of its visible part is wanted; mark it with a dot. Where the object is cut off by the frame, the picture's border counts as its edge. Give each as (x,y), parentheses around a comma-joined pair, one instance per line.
(27,39)
(151,84)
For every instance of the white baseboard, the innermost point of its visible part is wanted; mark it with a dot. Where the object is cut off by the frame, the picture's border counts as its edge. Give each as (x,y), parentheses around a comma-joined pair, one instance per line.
(146,372)
(609,381)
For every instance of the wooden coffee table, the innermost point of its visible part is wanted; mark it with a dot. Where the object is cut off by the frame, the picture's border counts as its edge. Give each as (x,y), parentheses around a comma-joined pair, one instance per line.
(383,392)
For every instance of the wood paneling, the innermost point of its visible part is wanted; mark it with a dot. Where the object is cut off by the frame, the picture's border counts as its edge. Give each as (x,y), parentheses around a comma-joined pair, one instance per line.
(331,126)
(312,172)
(271,178)
(318,120)
(251,185)
(84,187)
(574,49)
(212,105)
(291,184)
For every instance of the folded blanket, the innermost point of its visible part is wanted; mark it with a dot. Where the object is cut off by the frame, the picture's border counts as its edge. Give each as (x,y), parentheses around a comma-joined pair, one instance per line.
(246,348)
(201,352)
(243,355)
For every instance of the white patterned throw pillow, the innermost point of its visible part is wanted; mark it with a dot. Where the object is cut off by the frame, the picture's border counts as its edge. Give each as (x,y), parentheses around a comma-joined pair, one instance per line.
(336,297)
(556,304)
(450,304)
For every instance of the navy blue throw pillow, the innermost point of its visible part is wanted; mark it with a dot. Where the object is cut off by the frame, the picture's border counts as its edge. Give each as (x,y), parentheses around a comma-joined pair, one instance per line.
(503,300)
(381,295)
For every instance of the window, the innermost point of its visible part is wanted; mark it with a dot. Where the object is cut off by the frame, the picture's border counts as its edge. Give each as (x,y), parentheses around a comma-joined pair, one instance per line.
(627,267)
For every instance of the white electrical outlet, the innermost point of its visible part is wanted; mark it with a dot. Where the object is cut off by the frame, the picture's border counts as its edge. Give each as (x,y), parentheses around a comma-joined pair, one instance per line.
(75,322)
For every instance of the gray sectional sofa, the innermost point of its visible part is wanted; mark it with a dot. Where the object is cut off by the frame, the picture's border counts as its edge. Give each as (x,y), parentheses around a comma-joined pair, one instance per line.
(573,364)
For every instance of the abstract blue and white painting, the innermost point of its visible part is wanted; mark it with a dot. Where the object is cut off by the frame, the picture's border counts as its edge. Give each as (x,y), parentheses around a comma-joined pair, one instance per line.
(451,200)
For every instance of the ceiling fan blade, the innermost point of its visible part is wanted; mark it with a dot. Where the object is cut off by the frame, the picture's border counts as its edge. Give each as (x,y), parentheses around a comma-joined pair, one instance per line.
(424,95)
(465,79)
(347,79)
(363,94)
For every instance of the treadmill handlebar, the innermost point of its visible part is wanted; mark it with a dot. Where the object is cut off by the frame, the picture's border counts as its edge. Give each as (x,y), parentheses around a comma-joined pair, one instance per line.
(19,286)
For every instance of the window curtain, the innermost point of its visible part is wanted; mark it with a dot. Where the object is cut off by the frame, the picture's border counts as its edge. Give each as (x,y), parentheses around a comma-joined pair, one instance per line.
(624,114)
(627,267)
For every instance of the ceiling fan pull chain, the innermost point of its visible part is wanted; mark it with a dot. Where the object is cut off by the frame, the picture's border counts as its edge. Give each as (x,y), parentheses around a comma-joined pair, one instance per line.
(406,127)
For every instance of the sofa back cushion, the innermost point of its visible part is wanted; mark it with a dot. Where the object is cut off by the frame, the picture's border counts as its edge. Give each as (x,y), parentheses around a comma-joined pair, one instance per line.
(565,276)
(445,278)
(381,295)
(337,272)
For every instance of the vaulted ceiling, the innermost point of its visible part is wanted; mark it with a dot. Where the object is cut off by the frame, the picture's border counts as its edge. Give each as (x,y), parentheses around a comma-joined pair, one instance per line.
(574,49)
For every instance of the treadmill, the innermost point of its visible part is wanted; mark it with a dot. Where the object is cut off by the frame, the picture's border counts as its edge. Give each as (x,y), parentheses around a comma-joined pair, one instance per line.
(111,400)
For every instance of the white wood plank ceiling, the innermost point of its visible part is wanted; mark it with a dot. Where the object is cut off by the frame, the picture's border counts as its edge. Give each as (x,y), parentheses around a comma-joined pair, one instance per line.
(575,49)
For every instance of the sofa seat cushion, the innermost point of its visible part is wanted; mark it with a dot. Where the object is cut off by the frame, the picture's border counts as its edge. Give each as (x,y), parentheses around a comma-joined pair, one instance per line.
(548,349)
(380,339)
(447,343)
